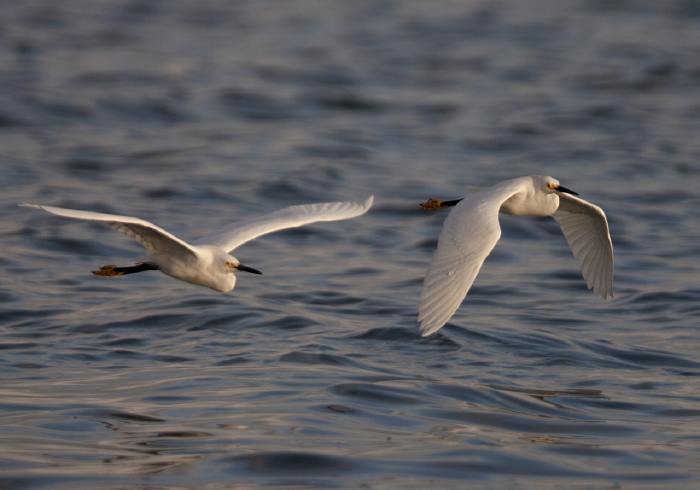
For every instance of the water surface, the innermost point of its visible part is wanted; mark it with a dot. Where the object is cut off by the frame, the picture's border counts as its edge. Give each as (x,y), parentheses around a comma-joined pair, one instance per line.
(192,115)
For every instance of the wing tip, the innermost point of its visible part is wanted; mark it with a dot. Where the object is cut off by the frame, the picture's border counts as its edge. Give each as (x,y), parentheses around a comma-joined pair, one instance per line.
(429,327)
(429,331)
(27,205)
(604,293)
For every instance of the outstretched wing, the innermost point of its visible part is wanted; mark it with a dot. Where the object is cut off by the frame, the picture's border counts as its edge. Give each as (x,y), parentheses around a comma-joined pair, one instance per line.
(236,234)
(155,239)
(586,229)
(469,233)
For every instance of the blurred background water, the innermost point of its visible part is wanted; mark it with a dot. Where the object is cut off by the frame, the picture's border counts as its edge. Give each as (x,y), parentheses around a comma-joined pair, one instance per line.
(194,114)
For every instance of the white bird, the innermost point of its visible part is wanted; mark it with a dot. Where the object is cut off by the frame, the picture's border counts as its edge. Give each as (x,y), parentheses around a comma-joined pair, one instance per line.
(207,262)
(471,230)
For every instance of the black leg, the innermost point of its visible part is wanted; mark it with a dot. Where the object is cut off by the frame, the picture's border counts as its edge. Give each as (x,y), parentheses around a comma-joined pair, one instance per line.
(446,204)
(113,270)
(135,268)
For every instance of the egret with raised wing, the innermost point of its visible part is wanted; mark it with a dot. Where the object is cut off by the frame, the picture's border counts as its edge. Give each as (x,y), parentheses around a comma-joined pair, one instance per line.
(207,261)
(472,229)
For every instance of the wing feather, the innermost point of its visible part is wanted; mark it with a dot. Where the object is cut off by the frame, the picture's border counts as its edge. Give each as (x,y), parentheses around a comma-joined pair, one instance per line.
(236,234)
(585,227)
(468,236)
(442,296)
(155,239)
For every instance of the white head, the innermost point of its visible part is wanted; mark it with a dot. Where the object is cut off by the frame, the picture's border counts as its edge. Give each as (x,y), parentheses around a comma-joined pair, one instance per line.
(550,185)
(536,195)
(212,268)
(222,275)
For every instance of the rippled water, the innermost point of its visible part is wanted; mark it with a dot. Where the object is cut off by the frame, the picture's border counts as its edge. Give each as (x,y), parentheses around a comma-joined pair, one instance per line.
(192,114)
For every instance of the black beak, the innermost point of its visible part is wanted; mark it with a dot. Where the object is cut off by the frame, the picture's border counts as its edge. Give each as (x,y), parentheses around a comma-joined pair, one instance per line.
(565,190)
(245,268)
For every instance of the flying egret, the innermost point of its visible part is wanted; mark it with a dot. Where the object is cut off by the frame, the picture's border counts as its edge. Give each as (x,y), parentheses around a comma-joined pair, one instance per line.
(207,261)
(471,230)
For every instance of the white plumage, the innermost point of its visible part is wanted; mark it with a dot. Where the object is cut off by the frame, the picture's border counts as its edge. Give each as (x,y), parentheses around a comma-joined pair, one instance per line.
(472,229)
(207,262)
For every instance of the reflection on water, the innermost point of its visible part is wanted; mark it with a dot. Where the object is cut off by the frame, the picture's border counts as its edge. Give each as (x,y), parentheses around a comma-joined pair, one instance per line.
(314,374)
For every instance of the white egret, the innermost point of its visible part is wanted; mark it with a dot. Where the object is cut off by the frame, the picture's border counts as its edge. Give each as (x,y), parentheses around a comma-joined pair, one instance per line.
(471,231)
(207,262)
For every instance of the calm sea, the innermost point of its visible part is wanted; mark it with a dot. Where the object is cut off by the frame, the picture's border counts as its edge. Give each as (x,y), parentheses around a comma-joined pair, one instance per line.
(195,114)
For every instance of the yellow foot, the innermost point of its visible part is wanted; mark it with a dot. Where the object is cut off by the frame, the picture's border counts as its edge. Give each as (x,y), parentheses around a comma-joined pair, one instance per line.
(433,204)
(108,270)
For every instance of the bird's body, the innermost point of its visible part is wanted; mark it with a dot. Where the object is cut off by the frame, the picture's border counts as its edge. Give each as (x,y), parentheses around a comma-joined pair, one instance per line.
(207,262)
(204,267)
(472,229)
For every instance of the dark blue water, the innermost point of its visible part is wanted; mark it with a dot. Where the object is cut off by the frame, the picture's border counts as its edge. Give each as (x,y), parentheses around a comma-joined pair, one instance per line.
(194,114)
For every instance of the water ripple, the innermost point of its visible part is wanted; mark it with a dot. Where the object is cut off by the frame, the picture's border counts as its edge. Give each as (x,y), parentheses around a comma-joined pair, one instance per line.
(314,375)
